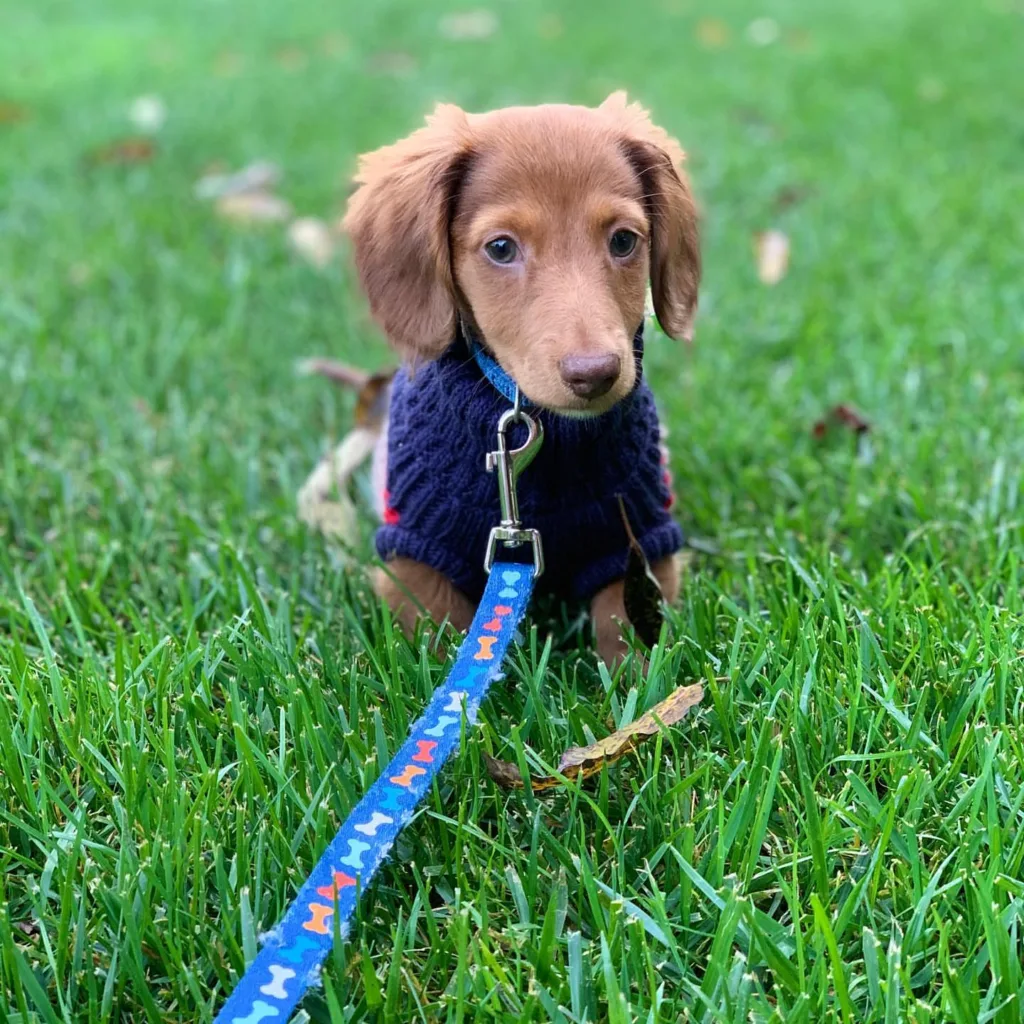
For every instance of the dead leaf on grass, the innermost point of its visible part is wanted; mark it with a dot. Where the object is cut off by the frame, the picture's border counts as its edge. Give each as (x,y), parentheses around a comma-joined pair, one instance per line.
(291,58)
(128,151)
(228,64)
(713,34)
(12,113)
(254,208)
(469,25)
(371,388)
(148,113)
(392,62)
(584,762)
(641,592)
(311,238)
(259,176)
(841,416)
(772,251)
(27,928)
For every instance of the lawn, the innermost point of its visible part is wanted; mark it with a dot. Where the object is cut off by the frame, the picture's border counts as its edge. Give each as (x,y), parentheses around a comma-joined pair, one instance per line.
(194,689)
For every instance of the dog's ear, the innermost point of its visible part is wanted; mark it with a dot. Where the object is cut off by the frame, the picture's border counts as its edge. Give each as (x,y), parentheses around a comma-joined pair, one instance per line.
(398,221)
(675,242)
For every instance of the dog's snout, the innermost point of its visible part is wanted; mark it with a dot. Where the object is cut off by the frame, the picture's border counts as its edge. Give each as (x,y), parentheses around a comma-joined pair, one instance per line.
(590,376)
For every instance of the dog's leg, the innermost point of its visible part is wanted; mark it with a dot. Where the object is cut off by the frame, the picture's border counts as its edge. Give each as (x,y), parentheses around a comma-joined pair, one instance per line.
(608,609)
(412,589)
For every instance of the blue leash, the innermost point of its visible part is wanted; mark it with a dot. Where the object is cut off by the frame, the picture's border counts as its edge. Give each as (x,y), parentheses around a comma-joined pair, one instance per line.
(290,960)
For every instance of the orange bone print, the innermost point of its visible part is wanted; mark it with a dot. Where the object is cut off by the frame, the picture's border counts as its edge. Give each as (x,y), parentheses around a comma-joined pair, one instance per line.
(408,774)
(502,609)
(318,922)
(423,749)
(341,881)
(485,653)
(494,625)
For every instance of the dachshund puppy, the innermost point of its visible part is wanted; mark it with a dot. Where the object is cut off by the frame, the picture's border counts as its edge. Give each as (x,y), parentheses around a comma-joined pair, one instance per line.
(530,233)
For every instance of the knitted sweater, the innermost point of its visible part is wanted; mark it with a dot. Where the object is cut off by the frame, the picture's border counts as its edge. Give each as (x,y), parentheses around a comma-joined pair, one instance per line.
(441,503)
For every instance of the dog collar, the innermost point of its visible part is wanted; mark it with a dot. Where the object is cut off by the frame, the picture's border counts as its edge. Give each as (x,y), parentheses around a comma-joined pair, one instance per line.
(491,369)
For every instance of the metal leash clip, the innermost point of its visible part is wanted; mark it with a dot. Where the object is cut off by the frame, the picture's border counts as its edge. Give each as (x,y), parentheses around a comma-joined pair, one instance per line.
(509,464)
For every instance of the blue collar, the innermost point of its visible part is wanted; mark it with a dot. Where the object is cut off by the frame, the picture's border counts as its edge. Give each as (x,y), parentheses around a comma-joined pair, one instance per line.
(505,385)
(490,368)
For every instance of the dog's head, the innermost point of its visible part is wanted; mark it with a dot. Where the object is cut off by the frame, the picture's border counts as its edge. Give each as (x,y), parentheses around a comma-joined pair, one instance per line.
(540,227)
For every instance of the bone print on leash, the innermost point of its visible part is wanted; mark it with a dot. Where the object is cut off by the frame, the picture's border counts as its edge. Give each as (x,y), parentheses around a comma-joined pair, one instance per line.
(269,990)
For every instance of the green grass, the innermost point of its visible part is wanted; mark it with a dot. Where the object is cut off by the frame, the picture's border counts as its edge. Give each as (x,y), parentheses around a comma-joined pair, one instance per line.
(194,690)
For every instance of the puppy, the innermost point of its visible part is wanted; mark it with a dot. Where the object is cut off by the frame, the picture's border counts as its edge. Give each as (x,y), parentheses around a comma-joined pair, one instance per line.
(531,232)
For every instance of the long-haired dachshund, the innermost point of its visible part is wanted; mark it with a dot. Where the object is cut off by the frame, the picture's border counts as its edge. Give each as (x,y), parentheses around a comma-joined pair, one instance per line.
(532,233)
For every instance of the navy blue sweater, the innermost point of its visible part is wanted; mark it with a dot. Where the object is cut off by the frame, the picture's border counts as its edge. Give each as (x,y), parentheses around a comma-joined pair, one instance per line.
(441,502)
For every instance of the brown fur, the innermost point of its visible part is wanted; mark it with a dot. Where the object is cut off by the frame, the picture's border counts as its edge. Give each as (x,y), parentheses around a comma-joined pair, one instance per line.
(559,181)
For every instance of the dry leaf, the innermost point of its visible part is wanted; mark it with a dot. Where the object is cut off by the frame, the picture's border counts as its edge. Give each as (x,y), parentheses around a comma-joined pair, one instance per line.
(641,591)
(254,208)
(763,31)
(772,250)
(334,44)
(843,416)
(583,762)
(799,40)
(790,195)
(712,34)
(392,62)
(27,928)
(148,113)
(551,26)
(469,25)
(123,151)
(228,64)
(12,113)
(290,58)
(259,176)
(311,238)
(340,373)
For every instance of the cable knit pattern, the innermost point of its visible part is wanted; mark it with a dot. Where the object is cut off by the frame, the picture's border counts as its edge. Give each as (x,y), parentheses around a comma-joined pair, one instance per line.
(441,501)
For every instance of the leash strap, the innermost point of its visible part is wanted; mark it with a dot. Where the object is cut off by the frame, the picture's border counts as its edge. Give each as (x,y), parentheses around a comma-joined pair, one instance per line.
(291,957)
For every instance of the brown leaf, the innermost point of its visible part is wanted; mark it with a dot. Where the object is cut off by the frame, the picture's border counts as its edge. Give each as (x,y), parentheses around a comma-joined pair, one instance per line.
(255,207)
(228,64)
(311,238)
(340,373)
(641,591)
(27,928)
(843,416)
(12,113)
(124,151)
(290,58)
(712,33)
(791,195)
(469,25)
(772,250)
(584,762)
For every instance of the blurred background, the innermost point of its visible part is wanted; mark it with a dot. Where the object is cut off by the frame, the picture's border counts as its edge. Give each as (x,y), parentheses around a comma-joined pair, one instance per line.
(847,444)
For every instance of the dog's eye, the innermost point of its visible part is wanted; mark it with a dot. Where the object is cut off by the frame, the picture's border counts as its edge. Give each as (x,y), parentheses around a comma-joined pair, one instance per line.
(622,243)
(502,250)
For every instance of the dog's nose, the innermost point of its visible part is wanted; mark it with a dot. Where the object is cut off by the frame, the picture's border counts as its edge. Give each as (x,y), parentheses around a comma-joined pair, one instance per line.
(590,376)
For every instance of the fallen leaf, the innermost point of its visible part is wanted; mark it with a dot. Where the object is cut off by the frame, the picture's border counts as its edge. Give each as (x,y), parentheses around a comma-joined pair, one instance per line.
(123,151)
(790,195)
(392,62)
(763,31)
(311,238)
(228,64)
(713,34)
(584,762)
(641,591)
(334,44)
(254,208)
(340,373)
(12,113)
(843,416)
(469,25)
(27,928)
(551,26)
(259,176)
(148,113)
(772,250)
(290,58)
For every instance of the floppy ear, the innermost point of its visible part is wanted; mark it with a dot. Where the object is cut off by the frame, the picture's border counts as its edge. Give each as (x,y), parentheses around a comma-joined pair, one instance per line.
(675,242)
(398,222)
